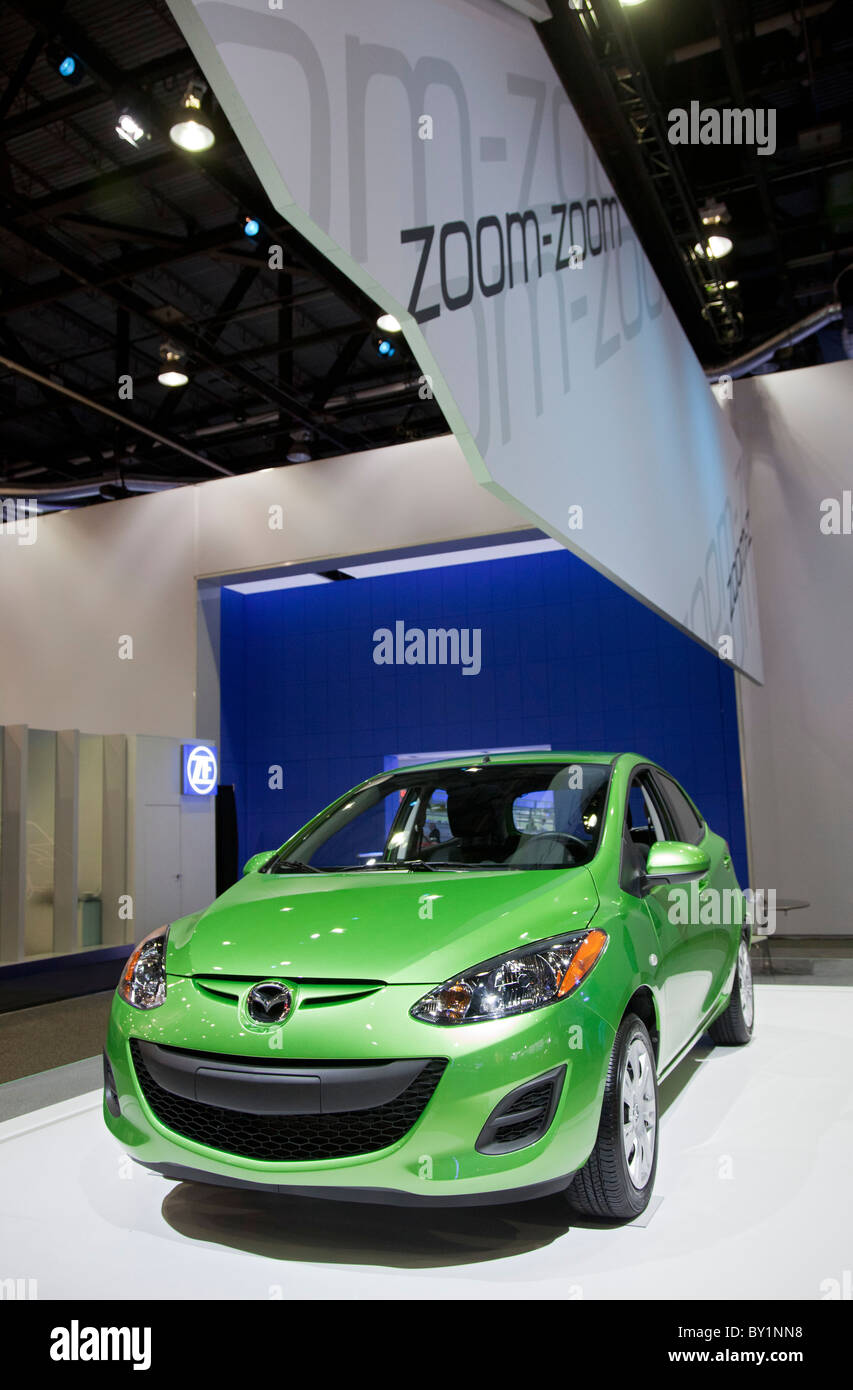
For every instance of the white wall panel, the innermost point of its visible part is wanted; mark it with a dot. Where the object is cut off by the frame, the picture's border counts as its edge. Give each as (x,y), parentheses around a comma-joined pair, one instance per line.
(796,429)
(128,569)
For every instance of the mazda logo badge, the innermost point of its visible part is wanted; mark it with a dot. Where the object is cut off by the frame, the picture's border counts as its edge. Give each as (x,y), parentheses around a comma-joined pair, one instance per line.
(270,1002)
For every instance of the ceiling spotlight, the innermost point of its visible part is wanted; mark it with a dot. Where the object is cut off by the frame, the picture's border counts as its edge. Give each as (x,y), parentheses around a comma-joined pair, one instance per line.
(712,214)
(715,247)
(389,324)
(299,452)
(732,284)
(171,369)
(251,226)
(66,63)
(190,130)
(129,129)
(385,348)
(628,4)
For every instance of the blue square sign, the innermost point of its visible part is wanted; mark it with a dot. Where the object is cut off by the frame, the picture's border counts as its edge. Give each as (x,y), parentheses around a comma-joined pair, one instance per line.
(200,769)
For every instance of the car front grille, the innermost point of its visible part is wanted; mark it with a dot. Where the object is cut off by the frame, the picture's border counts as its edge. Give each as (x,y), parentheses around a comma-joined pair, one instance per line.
(290,1138)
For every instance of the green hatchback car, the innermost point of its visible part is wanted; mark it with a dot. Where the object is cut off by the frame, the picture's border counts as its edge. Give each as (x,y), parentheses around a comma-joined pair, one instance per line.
(461,982)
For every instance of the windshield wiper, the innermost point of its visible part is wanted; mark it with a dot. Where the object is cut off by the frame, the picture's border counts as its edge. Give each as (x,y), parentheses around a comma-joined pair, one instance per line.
(419,865)
(295,866)
(439,866)
(377,865)
(433,866)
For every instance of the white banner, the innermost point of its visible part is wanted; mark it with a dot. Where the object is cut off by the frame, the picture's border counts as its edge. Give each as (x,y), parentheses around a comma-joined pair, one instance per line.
(429,150)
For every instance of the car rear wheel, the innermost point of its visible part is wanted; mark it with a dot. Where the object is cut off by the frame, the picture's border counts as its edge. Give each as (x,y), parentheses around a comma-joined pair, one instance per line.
(616,1181)
(734,1027)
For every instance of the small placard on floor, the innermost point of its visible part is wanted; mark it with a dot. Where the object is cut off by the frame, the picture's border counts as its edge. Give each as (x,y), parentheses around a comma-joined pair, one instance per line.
(647,1216)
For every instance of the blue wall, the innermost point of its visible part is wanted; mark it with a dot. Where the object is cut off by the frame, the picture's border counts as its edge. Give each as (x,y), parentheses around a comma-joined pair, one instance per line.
(567,659)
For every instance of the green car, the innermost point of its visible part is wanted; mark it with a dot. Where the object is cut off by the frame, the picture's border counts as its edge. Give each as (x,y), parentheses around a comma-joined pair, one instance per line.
(461,982)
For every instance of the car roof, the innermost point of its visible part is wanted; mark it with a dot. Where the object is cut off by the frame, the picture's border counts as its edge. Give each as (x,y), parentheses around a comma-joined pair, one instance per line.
(504,759)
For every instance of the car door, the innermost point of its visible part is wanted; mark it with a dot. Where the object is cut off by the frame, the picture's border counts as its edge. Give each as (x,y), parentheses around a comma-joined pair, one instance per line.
(680,975)
(714,904)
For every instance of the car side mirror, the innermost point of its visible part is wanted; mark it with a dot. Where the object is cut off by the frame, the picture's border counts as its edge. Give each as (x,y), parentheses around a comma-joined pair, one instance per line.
(257,860)
(674,861)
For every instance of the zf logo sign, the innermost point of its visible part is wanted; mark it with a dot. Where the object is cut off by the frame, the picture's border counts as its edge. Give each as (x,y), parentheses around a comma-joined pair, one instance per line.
(200,770)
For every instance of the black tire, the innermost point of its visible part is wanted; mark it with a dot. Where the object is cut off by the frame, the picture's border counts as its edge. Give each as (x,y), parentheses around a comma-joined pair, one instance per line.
(735,1026)
(604,1187)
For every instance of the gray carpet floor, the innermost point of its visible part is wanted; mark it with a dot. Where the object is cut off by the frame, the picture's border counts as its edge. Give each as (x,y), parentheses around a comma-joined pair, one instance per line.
(52,1035)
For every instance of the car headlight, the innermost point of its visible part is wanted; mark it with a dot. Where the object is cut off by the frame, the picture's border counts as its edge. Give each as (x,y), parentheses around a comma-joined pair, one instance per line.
(143,980)
(515,983)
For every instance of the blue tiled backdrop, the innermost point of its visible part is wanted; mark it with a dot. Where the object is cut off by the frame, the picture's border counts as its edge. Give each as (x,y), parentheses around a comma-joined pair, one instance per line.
(568,660)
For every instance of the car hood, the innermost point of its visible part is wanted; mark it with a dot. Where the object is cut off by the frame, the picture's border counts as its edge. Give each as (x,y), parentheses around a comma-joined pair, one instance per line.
(399,928)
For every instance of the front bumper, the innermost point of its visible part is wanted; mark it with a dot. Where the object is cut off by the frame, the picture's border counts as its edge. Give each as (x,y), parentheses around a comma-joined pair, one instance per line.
(436,1160)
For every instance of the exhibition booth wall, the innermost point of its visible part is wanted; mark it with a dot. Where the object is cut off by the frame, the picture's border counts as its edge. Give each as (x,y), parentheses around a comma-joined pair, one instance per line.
(795,429)
(95,576)
(564,659)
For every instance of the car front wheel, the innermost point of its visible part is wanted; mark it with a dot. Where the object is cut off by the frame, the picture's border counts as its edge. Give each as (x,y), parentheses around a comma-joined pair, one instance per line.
(617,1179)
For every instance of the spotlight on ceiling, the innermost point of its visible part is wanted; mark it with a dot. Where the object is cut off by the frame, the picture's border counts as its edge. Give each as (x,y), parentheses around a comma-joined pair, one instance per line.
(713,214)
(385,347)
(251,226)
(171,366)
(714,247)
(130,129)
(66,63)
(629,4)
(190,129)
(389,324)
(299,451)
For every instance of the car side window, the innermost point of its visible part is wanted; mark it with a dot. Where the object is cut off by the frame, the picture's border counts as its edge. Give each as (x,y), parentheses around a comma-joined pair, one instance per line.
(643,815)
(689,826)
(645,823)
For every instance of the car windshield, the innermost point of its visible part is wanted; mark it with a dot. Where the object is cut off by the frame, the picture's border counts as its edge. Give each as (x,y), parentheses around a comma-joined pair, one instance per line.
(485,816)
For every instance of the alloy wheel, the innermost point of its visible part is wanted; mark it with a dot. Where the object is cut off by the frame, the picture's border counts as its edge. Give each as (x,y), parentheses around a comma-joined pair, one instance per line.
(639,1112)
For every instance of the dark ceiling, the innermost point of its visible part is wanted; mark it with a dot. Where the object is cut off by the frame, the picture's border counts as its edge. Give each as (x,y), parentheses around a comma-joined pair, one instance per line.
(790,213)
(107,251)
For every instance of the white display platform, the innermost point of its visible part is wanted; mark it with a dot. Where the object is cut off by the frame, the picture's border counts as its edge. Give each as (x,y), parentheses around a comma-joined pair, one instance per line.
(753,1202)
